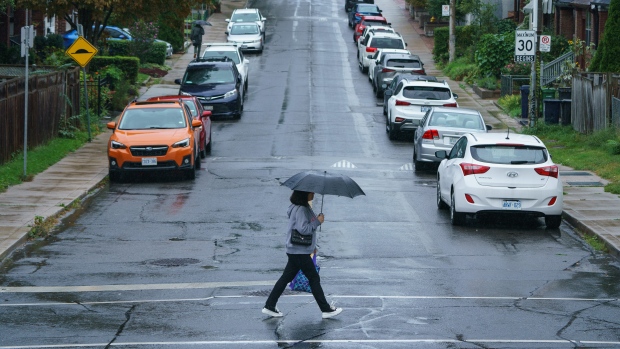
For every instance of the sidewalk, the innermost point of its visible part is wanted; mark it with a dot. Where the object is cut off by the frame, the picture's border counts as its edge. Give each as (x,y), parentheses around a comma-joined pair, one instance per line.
(586,206)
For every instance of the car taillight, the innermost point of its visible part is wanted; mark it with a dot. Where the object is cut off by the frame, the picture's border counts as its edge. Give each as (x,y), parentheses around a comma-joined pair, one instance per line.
(551,171)
(371,49)
(360,28)
(402,102)
(357,14)
(399,119)
(454,105)
(387,70)
(430,134)
(469,169)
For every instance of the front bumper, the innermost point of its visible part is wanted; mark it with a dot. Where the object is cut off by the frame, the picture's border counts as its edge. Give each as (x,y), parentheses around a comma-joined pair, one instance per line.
(222,106)
(121,160)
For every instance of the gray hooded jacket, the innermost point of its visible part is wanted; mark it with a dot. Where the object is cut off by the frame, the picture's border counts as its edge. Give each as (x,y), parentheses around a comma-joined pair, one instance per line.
(305,221)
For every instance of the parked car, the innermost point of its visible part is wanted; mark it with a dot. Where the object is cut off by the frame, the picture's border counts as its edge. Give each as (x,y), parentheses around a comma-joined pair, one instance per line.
(439,129)
(246,35)
(368,21)
(391,64)
(348,4)
(232,51)
(411,100)
(198,113)
(389,89)
(375,59)
(112,33)
(154,136)
(372,42)
(499,173)
(246,15)
(362,9)
(216,83)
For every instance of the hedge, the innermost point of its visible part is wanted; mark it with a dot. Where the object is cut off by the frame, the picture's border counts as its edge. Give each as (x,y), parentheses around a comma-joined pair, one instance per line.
(129,65)
(464,42)
(156,54)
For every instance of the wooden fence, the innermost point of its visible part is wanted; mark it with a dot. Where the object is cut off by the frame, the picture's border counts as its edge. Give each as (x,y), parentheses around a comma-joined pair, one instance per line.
(591,100)
(47,104)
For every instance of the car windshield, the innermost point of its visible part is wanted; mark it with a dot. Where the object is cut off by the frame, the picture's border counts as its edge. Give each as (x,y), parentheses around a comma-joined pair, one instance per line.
(192,107)
(459,120)
(245,17)
(372,22)
(219,54)
(427,92)
(387,43)
(367,8)
(152,118)
(208,75)
(509,154)
(244,29)
(403,63)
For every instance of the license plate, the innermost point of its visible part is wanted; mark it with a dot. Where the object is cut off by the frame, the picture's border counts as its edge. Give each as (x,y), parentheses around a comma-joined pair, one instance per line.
(449,140)
(244,46)
(207,107)
(425,109)
(149,161)
(511,205)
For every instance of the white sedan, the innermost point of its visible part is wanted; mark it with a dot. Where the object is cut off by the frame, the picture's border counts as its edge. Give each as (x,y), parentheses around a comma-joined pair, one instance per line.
(495,173)
(231,51)
(247,35)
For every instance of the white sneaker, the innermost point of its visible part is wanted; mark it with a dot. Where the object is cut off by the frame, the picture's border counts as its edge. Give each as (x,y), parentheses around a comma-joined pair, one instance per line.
(333,312)
(272,313)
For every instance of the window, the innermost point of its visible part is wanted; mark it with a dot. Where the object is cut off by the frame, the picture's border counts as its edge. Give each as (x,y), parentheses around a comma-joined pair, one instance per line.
(152,118)
(218,54)
(509,154)
(427,92)
(403,63)
(458,151)
(588,27)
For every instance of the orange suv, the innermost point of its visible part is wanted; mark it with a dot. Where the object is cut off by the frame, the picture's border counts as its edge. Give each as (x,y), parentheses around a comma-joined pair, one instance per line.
(149,136)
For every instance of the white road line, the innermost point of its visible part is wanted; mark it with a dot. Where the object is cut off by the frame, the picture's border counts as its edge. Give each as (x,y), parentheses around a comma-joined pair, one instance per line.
(327,341)
(201,299)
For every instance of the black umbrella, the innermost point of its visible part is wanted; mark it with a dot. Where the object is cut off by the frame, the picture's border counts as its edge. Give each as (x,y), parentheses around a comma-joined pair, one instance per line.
(201,22)
(325,184)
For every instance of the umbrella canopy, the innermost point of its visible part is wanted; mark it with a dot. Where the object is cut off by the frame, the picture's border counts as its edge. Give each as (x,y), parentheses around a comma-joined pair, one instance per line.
(324,183)
(201,22)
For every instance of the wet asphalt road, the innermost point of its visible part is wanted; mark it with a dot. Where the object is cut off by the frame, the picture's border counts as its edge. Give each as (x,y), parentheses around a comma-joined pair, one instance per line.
(161,263)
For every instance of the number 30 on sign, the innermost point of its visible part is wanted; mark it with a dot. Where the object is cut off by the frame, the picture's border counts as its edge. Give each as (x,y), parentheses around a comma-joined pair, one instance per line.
(525,45)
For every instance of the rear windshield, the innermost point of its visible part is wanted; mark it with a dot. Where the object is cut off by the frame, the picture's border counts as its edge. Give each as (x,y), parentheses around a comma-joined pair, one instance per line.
(456,120)
(427,92)
(152,118)
(219,54)
(244,29)
(403,63)
(387,43)
(371,22)
(509,154)
(245,17)
(367,8)
(208,75)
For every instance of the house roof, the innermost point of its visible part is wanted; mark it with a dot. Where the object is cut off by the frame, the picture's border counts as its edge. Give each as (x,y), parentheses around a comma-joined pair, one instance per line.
(574,3)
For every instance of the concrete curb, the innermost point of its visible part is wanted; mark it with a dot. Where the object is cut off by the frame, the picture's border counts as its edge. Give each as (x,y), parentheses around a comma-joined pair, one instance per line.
(583,228)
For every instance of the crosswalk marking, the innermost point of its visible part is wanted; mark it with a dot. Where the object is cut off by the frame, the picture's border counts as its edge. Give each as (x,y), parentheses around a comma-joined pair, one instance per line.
(406,167)
(344,164)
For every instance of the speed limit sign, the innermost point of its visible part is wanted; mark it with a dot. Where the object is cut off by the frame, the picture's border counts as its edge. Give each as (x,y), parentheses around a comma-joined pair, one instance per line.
(525,45)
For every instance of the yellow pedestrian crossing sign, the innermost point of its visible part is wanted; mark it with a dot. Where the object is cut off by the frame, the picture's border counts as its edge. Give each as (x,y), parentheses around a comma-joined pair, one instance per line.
(81,51)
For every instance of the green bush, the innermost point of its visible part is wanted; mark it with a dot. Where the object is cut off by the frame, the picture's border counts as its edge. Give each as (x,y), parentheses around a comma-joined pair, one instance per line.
(172,35)
(10,55)
(606,57)
(493,52)
(464,43)
(129,66)
(461,69)
(489,83)
(511,104)
(156,54)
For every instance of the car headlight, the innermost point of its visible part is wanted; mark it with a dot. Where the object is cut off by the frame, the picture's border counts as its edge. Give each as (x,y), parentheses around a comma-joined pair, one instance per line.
(181,144)
(230,93)
(117,145)
(185,93)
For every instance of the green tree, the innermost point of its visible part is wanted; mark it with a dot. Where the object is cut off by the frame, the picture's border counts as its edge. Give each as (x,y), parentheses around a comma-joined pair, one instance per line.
(606,57)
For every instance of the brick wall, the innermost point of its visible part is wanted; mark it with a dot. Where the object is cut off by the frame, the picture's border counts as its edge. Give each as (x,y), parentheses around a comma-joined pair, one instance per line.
(565,22)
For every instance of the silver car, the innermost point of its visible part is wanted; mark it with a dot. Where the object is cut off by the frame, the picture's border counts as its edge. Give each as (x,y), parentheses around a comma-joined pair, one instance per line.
(247,35)
(439,129)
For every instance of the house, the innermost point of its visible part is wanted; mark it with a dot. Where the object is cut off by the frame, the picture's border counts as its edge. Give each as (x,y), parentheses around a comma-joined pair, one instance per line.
(13,19)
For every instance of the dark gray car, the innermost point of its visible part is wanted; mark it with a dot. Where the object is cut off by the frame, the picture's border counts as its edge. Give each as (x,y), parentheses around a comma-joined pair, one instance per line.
(391,64)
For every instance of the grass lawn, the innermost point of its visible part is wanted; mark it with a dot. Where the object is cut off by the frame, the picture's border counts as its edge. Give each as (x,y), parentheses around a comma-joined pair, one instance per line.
(39,159)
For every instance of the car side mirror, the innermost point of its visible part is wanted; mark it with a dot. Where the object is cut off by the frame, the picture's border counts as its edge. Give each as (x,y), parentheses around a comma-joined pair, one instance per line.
(389,24)
(111,125)
(406,44)
(227,20)
(206,113)
(441,154)
(455,96)
(177,81)
(388,93)
(226,33)
(196,123)
(489,127)
(246,61)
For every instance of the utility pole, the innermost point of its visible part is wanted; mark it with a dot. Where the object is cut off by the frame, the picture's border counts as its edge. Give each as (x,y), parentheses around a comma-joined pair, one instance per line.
(452,31)
(27,37)
(533,102)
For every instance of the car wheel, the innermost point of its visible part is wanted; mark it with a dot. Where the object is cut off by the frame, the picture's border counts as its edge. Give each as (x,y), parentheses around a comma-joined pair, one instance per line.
(384,108)
(553,222)
(456,218)
(191,173)
(245,88)
(440,204)
(418,165)
(197,163)
(203,153)
(378,92)
(389,129)
(115,177)
(208,145)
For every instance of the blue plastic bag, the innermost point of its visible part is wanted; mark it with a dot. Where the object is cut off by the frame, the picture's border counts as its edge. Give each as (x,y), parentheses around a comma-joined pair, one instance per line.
(301,282)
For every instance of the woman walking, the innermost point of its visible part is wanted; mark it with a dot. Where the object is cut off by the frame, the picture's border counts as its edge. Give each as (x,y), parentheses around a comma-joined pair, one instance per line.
(302,219)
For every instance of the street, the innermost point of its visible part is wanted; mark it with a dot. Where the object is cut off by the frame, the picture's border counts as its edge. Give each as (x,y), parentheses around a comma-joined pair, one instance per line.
(164,263)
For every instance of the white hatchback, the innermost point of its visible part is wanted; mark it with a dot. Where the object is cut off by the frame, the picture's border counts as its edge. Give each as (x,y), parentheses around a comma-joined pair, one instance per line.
(231,51)
(410,100)
(493,173)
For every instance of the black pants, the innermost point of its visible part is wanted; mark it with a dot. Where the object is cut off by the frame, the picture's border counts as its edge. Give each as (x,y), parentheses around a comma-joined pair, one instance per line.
(295,263)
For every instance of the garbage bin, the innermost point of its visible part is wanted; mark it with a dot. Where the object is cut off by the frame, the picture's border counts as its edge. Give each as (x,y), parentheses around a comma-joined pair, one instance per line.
(566,106)
(564,93)
(548,93)
(525,95)
(552,111)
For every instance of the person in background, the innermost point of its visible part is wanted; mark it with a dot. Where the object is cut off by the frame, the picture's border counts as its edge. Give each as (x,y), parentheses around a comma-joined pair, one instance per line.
(302,218)
(196,38)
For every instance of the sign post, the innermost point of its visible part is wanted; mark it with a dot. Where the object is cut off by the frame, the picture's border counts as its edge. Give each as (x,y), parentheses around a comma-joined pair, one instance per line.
(27,34)
(82,52)
(525,51)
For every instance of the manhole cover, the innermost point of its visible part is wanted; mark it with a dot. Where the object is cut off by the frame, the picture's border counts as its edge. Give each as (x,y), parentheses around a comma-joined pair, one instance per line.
(585,184)
(174,262)
(574,173)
